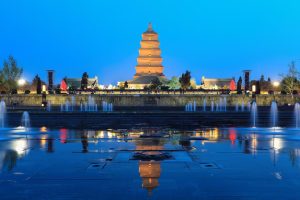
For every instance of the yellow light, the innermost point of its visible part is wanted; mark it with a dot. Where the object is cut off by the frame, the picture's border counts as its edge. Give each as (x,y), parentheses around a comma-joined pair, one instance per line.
(43,140)
(44,88)
(43,129)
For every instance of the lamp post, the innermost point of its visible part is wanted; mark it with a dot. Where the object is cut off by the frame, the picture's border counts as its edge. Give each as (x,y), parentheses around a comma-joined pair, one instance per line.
(275,84)
(44,96)
(21,82)
(253,88)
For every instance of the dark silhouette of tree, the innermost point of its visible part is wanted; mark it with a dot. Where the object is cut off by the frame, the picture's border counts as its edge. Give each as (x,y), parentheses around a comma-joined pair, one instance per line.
(239,86)
(185,80)
(84,81)
(125,84)
(37,84)
(262,78)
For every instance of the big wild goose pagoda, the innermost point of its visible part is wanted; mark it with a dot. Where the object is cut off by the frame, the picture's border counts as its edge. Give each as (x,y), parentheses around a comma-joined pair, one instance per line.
(149,62)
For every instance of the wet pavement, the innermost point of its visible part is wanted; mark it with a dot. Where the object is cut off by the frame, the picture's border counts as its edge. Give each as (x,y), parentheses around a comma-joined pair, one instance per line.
(231,163)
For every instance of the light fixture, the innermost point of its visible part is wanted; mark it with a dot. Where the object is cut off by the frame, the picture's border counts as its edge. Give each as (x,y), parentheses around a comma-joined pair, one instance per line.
(44,88)
(21,82)
(253,88)
(276,83)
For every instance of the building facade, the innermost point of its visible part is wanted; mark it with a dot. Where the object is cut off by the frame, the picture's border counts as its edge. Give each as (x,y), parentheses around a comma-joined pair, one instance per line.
(218,83)
(149,62)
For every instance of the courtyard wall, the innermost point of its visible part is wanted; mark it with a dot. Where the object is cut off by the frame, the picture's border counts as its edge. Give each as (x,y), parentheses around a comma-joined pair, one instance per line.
(148,99)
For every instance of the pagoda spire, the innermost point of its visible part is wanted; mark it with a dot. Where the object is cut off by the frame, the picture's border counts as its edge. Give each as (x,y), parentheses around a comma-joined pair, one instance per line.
(149,27)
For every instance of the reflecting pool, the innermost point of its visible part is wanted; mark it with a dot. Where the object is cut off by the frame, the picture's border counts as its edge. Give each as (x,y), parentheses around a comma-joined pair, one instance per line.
(150,163)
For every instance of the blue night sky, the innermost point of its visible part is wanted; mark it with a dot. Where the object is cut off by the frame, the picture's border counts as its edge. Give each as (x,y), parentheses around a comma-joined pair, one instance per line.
(213,38)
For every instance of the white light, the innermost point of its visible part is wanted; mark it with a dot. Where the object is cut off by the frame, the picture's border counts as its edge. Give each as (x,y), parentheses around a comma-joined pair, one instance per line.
(21,82)
(253,88)
(276,83)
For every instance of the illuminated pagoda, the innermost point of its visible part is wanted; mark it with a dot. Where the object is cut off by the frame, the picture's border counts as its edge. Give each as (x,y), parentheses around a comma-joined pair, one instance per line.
(149,62)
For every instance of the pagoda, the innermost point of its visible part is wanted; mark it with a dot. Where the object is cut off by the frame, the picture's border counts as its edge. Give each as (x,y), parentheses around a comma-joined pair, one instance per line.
(149,62)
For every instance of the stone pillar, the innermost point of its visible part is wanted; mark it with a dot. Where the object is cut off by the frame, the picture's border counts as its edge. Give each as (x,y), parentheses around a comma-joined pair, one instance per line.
(247,80)
(50,80)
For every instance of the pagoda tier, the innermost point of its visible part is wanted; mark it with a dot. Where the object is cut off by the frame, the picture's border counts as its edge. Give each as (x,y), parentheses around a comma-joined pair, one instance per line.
(149,61)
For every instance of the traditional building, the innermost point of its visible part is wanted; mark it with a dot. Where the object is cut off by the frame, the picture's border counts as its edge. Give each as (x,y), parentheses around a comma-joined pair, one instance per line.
(218,83)
(149,62)
(75,83)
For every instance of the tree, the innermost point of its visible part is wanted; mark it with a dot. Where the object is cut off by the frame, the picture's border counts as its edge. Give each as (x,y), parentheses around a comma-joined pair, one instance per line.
(262,78)
(10,74)
(239,86)
(185,80)
(84,81)
(289,82)
(37,83)
(125,84)
(174,83)
(155,84)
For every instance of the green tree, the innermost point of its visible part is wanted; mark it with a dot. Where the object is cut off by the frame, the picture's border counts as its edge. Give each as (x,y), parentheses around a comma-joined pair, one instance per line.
(155,84)
(84,81)
(174,83)
(185,80)
(289,82)
(10,74)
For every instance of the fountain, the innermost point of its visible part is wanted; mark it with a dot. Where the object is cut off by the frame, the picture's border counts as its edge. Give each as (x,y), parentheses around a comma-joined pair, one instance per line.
(225,104)
(297,115)
(212,106)
(254,114)
(91,105)
(217,107)
(65,107)
(81,107)
(2,114)
(25,120)
(204,105)
(236,107)
(48,106)
(274,114)
(73,103)
(243,106)
(249,106)
(222,104)
(107,107)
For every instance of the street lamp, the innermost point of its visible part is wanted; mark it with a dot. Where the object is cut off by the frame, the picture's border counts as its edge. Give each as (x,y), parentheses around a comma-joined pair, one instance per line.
(21,82)
(44,88)
(253,88)
(276,84)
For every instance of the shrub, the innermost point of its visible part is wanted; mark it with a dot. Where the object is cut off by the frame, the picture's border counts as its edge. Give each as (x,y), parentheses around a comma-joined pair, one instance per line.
(14,91)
